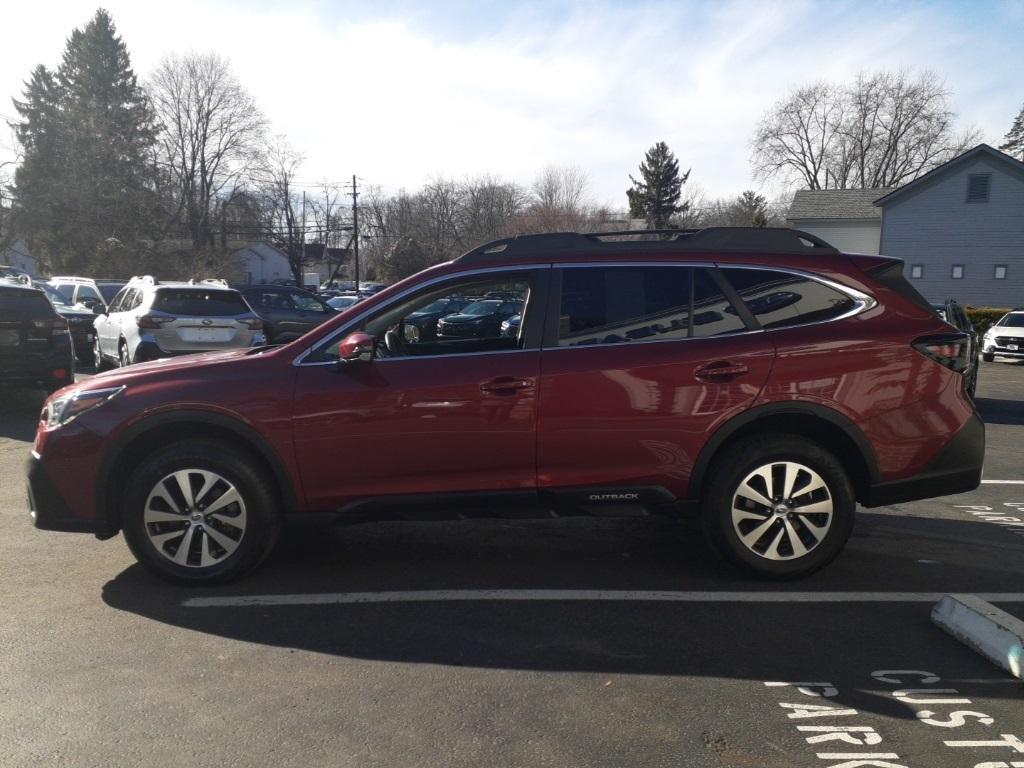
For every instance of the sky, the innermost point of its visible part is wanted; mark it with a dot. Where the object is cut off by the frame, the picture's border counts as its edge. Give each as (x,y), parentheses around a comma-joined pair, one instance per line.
(402,92)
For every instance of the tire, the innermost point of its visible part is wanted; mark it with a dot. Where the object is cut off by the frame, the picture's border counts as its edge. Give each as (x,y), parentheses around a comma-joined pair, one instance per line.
(220,545)
(988,357)
(99,361)
(774,553)
(124,357)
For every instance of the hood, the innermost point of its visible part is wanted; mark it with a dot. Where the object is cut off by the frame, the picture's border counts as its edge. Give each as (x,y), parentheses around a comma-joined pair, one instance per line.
(74,314)
(1005,331)
(460,318)
(165,366)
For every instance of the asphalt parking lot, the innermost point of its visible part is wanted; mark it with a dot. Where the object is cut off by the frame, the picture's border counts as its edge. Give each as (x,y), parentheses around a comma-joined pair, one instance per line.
(573,642)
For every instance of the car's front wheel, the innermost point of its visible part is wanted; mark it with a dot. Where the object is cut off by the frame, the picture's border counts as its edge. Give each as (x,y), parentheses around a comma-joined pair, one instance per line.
(988,357)
(778,506)
(199,512)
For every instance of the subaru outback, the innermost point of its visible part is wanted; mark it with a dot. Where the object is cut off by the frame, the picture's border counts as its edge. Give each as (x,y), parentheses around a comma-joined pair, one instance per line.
(668,372)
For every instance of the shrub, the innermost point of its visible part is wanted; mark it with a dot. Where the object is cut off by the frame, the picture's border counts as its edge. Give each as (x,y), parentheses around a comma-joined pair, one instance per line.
(983,318)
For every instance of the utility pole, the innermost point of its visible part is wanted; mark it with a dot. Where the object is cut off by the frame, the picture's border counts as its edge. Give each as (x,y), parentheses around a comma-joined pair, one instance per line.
(302,258)
(355,230)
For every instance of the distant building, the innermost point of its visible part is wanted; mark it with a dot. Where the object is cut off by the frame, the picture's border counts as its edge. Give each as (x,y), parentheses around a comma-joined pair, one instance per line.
(262,263)
(845,218)
(960,229)
(17,255)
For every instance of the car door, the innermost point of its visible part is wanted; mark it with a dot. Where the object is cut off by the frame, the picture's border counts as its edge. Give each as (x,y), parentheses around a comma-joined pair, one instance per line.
(424,417)
(641,364)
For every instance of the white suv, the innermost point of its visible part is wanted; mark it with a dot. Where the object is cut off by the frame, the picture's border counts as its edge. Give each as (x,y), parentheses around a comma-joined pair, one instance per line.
(1005,338)
(150,319)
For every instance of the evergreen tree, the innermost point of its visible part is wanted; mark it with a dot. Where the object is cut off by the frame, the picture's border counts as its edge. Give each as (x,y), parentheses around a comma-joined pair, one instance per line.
(1014,138)
(655,197)
(751,210)
(87,132)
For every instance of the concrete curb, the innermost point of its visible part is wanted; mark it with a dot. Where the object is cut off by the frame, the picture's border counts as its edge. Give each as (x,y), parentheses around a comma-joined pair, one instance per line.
(979,625)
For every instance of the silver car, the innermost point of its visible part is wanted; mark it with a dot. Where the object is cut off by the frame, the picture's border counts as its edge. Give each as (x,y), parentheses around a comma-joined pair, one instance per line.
(150,319)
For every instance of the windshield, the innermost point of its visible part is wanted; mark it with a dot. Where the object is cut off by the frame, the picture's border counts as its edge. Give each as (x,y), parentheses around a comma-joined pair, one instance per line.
(1016,320)
(435,306)
(109,290)
(340,302)
(56,298)
(482,308)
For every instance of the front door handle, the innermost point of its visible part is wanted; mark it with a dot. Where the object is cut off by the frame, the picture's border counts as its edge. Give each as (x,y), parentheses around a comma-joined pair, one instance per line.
(720,370)
(505,385)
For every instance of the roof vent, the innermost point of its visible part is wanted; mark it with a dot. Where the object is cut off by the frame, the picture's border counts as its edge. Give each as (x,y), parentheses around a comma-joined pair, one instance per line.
(977,187)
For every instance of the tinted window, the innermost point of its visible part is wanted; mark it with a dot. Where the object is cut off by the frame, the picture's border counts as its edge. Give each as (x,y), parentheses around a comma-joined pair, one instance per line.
(66,290)
(109,290)
(193,301)
(713,314)
(56,297)
(307,303)
(86,292)
(610,305)
(21,303)
(781,299)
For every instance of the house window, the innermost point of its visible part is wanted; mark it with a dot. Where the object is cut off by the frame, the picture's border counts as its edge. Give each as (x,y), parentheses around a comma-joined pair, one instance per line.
(977,187)
(916,271)
(958,272)
(1000,273)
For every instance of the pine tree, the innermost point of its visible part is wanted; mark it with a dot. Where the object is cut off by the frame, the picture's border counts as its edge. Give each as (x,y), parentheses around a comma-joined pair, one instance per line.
(87,132)
(655,197)
(1014,138)
(751,210)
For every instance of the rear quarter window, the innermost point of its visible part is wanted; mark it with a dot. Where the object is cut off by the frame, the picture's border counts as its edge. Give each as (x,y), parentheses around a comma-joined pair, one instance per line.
(782,299)
(197,302)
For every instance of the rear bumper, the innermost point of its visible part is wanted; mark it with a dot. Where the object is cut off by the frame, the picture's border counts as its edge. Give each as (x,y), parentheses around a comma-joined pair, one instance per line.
(50,511)
(956,469)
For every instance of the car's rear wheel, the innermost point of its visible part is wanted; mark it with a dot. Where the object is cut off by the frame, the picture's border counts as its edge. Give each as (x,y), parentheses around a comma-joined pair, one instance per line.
(778,506)
(199,512)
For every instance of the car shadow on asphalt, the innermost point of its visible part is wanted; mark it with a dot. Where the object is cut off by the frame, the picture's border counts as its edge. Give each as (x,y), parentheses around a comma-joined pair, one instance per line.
(752,641)
(19,413)
(998,411)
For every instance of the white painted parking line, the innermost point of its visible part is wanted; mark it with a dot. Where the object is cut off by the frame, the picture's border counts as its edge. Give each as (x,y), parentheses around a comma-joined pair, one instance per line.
(1002,482)
(526,595)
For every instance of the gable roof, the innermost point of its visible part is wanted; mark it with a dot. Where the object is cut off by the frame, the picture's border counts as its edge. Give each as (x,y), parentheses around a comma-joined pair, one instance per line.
(852,204)
(934,173)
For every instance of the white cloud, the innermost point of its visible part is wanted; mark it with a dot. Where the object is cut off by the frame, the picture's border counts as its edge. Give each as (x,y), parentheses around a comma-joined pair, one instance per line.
(398,99)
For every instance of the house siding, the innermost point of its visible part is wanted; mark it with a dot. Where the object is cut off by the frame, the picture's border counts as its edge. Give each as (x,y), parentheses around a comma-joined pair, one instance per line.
(935,227)
(846,236)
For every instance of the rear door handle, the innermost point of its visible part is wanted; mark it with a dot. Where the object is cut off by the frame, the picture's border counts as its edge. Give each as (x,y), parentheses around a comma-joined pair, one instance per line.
(505,385)
(720,370)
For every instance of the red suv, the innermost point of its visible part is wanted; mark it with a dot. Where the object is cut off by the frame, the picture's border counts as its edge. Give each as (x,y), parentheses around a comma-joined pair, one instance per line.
(759,376)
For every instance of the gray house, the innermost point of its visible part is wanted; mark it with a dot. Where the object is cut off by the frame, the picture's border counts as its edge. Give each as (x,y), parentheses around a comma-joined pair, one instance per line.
(846,218)
(960,229)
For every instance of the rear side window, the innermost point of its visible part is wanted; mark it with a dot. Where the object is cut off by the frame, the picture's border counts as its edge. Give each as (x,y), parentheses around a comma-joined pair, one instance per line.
(612,305)
(23,304)
(782,299)
(194,301)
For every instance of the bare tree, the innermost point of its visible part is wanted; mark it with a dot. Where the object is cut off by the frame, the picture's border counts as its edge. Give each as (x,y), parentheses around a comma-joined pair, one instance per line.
(881,130)
(282,206)
(210,137)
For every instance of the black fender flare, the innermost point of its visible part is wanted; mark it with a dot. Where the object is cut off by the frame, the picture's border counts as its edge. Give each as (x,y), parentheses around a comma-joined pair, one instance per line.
(247,434)
(752,415)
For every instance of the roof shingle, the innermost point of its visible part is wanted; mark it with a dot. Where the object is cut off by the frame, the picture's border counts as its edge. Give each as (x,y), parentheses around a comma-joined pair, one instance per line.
(854,204)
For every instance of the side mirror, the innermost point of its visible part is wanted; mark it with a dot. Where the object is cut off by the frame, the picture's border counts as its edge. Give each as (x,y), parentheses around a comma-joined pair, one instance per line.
(98,308)
(357,347)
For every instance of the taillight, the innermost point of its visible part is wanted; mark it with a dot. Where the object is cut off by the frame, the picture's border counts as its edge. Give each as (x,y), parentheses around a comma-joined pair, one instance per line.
(253,323)
(152,321)
(56,326)
(948,349)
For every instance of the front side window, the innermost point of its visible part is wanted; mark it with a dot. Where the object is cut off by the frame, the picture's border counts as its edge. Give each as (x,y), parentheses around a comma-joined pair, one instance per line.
(307,303)
(782,299)
(468,316)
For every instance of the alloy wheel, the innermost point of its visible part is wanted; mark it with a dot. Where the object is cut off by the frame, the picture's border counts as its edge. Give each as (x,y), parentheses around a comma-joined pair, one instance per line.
(195,518)
(782,510)
(123,358)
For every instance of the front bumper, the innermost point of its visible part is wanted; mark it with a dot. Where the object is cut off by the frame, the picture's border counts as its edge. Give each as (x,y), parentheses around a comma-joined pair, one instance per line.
(50,511)
(956,469)
(1004,352)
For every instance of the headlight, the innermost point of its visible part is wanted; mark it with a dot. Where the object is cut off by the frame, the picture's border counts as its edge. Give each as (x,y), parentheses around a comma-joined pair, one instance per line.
(62,410)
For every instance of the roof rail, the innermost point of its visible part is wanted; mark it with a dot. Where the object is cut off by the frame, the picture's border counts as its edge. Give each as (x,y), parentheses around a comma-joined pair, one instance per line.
(731,239)
(148,279)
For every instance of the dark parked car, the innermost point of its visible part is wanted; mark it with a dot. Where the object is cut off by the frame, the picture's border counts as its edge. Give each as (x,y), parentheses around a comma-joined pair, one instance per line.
(35,346)
(80,322)
(770,425)
(955,315)
(421,325)
(287,313)
(481,319)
